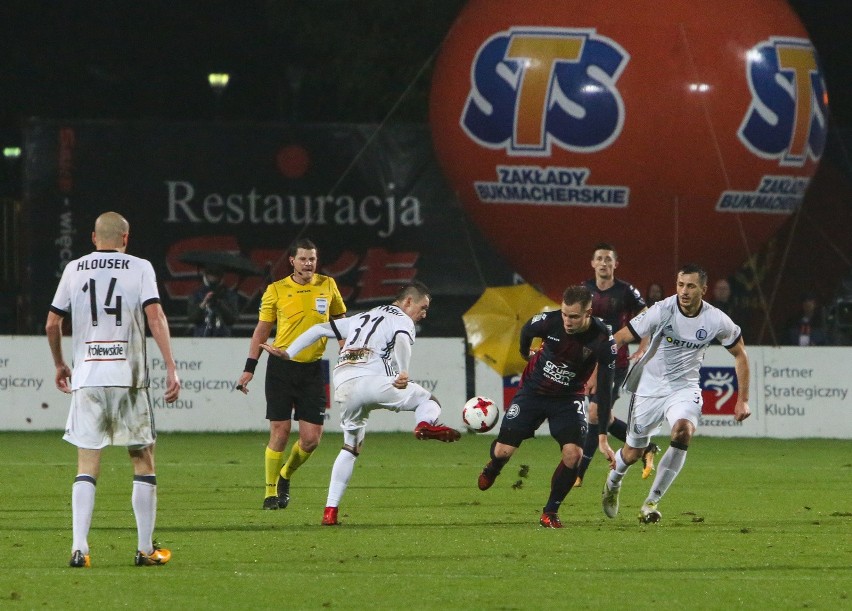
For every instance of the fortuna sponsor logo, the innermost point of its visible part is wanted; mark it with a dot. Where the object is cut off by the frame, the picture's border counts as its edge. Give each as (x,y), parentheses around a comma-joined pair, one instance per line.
(683,344)
(106,351)
(86,264)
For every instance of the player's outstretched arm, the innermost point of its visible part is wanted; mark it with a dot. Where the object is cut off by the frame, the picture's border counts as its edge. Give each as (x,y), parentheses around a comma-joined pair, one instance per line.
(304,340)
(277,352)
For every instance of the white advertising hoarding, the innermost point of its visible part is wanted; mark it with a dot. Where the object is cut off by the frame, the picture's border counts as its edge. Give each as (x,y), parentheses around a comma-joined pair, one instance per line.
(209,369)
(795,392)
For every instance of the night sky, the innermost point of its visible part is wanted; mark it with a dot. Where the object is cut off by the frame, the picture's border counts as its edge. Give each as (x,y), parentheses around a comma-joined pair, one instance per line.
(317,61)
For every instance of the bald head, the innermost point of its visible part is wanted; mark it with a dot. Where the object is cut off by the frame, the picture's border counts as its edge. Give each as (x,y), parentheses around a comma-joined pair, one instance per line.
(111,230)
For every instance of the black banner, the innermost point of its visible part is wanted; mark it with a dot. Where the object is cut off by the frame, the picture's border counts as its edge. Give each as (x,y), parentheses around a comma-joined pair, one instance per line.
(374,201)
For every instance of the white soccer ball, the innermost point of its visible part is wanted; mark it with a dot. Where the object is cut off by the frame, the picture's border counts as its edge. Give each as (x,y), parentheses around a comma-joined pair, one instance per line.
(480,414)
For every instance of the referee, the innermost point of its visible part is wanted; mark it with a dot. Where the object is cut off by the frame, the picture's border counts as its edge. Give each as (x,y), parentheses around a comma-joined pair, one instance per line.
(294,389)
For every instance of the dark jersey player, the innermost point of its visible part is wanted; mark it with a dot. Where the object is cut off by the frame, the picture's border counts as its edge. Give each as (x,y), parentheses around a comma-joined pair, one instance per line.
(615,302)
(552,388)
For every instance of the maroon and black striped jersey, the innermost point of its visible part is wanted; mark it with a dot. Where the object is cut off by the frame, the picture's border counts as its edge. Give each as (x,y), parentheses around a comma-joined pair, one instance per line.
(616,306)
(565,361)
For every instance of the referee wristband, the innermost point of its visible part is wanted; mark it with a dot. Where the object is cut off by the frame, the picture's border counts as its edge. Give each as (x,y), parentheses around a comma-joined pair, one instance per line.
(250,365)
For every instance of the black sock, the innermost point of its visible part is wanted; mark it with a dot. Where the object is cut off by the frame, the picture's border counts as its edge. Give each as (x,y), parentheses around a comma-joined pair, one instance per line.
(590,446)
(560,485)
(618,429)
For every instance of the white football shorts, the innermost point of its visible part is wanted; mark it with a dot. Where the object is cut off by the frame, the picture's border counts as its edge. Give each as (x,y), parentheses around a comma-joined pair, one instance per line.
(110,415)
(646,415)
(359,396)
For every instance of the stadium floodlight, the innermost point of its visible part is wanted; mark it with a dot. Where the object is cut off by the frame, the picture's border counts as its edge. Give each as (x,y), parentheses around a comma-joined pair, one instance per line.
(218,81)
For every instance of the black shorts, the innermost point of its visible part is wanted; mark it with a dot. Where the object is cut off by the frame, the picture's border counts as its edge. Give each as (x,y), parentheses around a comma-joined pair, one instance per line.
(295,390)
(617,380)
(566,417)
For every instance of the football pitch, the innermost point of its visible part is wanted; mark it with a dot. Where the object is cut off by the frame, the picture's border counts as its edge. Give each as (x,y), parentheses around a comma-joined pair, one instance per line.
(756,524)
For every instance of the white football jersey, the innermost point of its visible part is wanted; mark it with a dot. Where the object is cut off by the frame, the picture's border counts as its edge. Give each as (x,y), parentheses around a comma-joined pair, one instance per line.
(678,344)
(105,293)
(370,340)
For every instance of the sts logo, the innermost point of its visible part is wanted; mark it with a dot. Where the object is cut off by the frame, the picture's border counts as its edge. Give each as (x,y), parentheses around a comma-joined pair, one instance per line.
(719,390)
(787,119)
(532,87)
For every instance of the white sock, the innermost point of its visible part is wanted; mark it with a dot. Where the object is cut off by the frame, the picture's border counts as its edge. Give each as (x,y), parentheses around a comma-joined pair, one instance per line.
(82,506)
(144,500)
(341,473)
(617,474)
(428,411)
(670,465)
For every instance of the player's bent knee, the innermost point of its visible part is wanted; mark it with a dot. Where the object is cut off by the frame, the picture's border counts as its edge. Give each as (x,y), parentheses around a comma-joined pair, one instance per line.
(682,432)
(308,445)
(571,454)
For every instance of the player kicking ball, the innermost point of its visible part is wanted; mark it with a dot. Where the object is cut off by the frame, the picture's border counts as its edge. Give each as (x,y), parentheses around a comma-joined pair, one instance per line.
(372,373)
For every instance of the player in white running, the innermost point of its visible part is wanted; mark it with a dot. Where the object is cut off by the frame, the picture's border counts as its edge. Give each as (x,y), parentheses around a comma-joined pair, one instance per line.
(109,295)
(372,372)
(665,382)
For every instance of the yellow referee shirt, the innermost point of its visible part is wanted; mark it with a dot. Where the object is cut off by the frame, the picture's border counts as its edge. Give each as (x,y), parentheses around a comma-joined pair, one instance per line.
(294,308)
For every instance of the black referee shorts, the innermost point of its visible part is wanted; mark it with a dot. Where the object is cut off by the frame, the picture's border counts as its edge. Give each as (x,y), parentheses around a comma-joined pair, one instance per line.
(295,390)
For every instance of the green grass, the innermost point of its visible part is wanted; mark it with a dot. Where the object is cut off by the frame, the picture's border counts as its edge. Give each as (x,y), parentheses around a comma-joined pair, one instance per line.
(756,524)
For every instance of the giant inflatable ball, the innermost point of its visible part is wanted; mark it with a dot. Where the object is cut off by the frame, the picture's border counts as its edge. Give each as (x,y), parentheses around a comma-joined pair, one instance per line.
(680,131)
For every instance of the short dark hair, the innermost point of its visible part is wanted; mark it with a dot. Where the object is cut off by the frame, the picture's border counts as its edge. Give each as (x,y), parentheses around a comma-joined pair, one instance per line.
(694,268)
(577,294)
(605,246)
(414,289)
(304,243)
